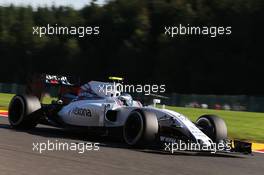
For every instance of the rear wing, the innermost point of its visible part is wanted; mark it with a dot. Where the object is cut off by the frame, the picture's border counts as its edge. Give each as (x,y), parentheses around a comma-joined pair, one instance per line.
(61,80)
(53,85)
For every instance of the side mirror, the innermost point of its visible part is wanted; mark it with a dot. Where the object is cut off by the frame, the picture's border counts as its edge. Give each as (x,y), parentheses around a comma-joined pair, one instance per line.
(156,101)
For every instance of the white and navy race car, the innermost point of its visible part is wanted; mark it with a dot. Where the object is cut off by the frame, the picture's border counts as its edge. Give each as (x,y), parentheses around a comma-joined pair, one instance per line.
(113,112)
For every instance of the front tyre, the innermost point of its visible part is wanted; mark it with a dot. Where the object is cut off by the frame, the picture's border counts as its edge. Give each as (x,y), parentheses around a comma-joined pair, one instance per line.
(22,112)
(141,127)
(213,126)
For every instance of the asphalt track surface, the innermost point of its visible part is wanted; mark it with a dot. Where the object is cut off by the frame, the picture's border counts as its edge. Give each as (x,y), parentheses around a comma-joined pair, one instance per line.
(17,157)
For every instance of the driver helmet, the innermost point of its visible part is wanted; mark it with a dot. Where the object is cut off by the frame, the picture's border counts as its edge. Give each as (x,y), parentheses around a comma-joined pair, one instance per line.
(126,99)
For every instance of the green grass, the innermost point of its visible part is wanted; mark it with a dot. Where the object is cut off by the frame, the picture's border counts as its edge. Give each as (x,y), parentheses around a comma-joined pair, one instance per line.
(241,125)
(5,99)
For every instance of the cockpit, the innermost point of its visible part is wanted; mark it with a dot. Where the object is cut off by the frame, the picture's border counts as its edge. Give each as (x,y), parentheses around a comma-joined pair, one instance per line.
(94,90)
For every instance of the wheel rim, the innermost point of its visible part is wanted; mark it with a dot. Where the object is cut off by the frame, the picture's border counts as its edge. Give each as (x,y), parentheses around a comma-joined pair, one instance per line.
(133,128)
(207,126)
(16,111)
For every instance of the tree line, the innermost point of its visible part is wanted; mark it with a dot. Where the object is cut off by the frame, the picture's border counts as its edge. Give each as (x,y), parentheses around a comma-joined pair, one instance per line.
(132,44)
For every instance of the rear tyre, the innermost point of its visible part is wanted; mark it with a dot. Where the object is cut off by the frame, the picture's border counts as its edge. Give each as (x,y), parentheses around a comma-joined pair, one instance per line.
(213,126)
(141,127)
(23,111)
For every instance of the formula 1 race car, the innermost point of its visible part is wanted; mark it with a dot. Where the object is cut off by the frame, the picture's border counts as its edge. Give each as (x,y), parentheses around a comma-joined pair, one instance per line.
(99,106)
